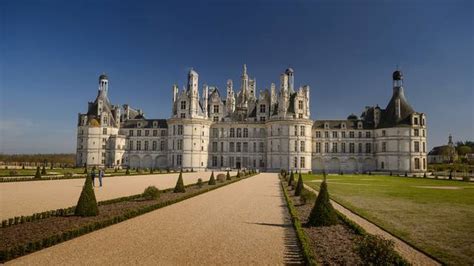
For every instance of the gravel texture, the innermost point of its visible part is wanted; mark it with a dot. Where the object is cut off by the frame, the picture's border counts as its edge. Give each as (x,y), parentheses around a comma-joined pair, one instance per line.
(245,223)
(26,198)
(412,255)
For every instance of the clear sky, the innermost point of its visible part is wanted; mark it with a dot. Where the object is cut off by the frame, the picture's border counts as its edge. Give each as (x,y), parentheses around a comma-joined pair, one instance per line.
(52,52)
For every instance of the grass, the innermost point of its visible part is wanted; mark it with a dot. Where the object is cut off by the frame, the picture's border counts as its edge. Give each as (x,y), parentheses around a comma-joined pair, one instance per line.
(437,221)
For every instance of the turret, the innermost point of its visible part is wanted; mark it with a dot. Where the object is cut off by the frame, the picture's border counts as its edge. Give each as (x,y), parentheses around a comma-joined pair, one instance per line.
(291,79)
(192,90)
(205,92)
(103,85)
(230,101)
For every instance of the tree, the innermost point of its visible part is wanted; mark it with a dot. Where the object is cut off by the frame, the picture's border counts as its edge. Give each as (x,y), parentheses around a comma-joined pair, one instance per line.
(228,176)
(38,173)
(212,180)
(322,214)
(292,179)
(179,188)
(87,204)
(299,185)
(463,150)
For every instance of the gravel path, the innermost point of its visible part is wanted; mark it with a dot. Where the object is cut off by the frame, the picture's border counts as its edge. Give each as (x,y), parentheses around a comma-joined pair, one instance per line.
(26,198)
(245,223)
(409,253)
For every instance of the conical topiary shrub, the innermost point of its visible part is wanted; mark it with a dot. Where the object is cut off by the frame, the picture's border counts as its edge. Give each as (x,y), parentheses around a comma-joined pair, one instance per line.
(322,214)
(238,173)
(292,179)
(38,173)
(43,171)
(179,188)
(87,204)
(299,185)
(228,176)
(212,180)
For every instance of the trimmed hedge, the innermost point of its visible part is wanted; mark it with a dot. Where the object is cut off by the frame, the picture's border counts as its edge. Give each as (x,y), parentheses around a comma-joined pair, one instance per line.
(212,180)
(322,214)
(87,204)
(299,185)
(179,188)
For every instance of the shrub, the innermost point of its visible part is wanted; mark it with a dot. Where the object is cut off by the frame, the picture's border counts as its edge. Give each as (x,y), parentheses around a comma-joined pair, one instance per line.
(151,193)
(221,177)
(306,196)
(12,173)
(38,173)
(87,204)
(322,214)
(179,188)
(374,250)
(292,179)
(212,180)
(238,173)
(451,175)
(424,175)
(43,170)
(466,178)
(406,174)
(199,183)
(228,176)
(151,170)
(341,173)
(128,171)
(299,185)
(391,173)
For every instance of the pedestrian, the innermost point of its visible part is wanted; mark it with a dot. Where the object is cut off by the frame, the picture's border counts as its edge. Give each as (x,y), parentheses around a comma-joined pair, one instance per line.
(101,174)
(93,177)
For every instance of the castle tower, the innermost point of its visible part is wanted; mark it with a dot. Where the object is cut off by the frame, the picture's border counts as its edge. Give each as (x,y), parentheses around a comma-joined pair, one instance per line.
(193,92)
(230,101)
(103,84)
(205,92)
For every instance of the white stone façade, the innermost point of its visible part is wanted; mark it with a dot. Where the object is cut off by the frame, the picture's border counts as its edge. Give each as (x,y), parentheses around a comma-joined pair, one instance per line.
(271,130)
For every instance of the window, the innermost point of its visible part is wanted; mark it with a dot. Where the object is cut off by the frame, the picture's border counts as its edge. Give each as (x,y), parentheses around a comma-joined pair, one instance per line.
(130,145)
(384,146)
(300,105)
(216,109)
(139,145)
(222,146)
(231,147)
(351,148)
(146,145)
(139,132)
(334,147)
(239,147)
(215,132)
(424,147)
(334,134)
(382,165)
(183,115)
(326,134)
(232,133)
(296,145)
(183,105)
(318,147)
(415,120)
(296,130)
(147,132)
(416,132)
(300,115)
(343,134)
(343,147)
(367,148)
(104,131)
(351,134)
(423,133)
(318,134)
(367,134)
(360,148)
(180,129)
(417,146)
(261,147)
(326,147)
(179,159)
(163,133)
(246,147)
(302,146)
(214,146)
(214,161)
(154,145)
(155,133)
(424,163)
(296,162)
(263,108)
(180,144)
(239,132)
(255,147)
(417,163)
(303,131)
(246,132)
(162,146)
(231,162)
(262,119)
(302,162)
(360,134)
(383,133)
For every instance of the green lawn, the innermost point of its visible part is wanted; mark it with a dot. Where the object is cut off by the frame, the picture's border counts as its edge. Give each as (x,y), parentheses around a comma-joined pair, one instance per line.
(437,221)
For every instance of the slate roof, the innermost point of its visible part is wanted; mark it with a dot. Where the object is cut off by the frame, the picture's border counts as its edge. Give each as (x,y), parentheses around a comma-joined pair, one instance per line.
(146,123)
(389,117)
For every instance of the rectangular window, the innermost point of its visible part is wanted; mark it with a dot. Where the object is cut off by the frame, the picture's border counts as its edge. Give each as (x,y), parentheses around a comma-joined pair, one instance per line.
(183,115)
(146,145)
(367,134)
(360,148)
(318,147)
(104,131)
(296,145)
(214,161)
(343,147)
(262,119)
(424,163)
(239,132)
(351,134)
(326,134)
(416,120)
(180,144)
(130,145)
(300,105)
(232,133)
(155,133)
(417,146)
(246,132)
(231,162)
(296,162)
(261,147)
(183,105)
(360,134)
(215,132)
(255,147)
(343,134)
(162,146)
(139,145)
(326,147)
(303,131)
(222,146)
(416,132)
(246,147)
(263,108)
(417,163)
(296,130)
(334,147)
(383,133)
(180,129)
(424,147)
(318,134)
(368,148)
(334,134)
(163,133)
(216,109)
(231,147)
(302,148)
(154,145)
(179,159)
(239,147)
(351,148)
(384,146)
(302,162)
(139,132)
(214,146)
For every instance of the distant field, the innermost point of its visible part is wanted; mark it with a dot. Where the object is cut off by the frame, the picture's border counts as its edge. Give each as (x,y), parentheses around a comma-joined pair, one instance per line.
(436,216)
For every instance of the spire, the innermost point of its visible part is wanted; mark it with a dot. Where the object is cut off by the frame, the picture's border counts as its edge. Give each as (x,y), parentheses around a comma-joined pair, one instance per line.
(245,69)
(450,140)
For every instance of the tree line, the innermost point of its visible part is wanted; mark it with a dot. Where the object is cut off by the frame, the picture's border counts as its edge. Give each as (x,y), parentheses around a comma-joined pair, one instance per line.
(58,158)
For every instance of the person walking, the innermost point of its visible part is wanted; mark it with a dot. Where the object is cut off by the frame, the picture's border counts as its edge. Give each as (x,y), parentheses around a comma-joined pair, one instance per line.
(101,174)
(93,177)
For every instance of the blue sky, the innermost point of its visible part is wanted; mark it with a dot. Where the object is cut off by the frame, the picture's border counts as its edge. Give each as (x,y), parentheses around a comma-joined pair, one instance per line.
(52,52)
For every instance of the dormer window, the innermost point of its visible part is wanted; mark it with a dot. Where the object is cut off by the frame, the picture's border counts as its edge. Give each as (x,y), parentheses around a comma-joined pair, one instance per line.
(326,125)
(343,125)
(262,108)
(216,109)
(300,105)
(415,120)
(183,105)
(359,125)
(155,124)
(139,124)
